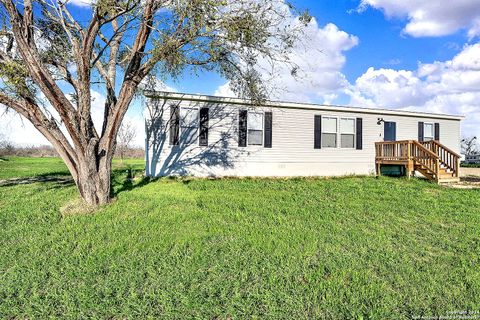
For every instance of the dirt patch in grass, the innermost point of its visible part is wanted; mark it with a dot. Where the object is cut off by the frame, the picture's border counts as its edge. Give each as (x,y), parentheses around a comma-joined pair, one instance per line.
(76,207)
(470,172)
(469,179)
(471,182)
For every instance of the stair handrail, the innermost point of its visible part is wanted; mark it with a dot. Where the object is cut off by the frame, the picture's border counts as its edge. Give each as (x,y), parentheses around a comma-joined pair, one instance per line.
(430,152)
(442,145)
(425,157)
(447,156)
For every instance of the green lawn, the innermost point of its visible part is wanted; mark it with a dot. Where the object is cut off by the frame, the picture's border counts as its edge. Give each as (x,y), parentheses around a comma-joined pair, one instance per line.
(350,248)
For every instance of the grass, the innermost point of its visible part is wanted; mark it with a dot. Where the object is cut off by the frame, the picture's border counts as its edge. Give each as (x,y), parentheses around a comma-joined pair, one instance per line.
(347,248)
(470,165)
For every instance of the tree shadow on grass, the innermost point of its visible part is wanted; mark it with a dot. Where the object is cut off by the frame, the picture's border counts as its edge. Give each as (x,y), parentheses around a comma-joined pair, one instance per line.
(124,178)
(130,184)
(128,178)
(58,180)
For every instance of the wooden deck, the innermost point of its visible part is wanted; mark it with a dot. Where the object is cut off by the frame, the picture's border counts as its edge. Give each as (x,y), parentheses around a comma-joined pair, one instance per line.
(432,159)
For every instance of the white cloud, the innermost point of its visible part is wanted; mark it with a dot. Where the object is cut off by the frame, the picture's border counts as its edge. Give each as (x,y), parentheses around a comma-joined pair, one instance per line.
(389,88)
(132,116)
(21,132)
(224,91)
(451,87)
(81,3)
(320,58)
(432,18)
(151,82)
(18,130)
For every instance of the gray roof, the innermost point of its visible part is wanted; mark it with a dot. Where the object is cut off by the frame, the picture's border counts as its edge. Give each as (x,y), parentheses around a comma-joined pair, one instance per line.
(295,105)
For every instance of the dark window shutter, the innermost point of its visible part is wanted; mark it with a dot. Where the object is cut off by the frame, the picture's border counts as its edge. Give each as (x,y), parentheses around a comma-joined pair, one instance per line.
(242,128)
(268,130)
(203,135)
(420,131)
(359,134)
(317,132)
(437,131)
(174,125)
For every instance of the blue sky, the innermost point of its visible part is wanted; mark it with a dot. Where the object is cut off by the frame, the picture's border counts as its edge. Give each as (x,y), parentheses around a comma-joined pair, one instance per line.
(409,54)
(381,42)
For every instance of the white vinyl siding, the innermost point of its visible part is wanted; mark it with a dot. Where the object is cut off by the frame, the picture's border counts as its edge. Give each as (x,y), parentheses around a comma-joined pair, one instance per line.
(293,135)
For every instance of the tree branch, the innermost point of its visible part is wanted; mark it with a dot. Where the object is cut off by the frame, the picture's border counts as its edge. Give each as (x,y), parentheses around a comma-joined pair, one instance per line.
(48,128)
(41,76)
(131,79)
(28,22)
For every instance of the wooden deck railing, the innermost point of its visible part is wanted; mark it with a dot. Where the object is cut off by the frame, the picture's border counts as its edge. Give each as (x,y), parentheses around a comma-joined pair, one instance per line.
(392,150)
(428,155)
(448,158)
(407,151)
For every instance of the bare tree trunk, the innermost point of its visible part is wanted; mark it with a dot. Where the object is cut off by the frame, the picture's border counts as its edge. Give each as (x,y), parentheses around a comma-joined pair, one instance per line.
(94,180)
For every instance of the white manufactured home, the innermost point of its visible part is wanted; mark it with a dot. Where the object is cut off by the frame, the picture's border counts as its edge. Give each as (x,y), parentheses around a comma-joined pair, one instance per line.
(472,159)
(212,136)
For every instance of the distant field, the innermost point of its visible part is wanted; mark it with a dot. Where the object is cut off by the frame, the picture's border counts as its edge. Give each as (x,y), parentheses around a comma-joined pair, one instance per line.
(17,167)
(346,248)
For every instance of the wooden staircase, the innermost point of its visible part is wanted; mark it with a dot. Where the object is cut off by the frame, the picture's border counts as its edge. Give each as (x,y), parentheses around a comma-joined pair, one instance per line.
(430,158)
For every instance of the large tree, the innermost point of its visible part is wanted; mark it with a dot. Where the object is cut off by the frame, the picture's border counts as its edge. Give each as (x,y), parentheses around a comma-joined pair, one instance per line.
(52,54)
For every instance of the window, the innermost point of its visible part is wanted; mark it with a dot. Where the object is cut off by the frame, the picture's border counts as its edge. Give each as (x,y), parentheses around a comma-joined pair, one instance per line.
(428,131)
(255,128)
(329,132)
(347,133)
(337,132)
(189,124)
